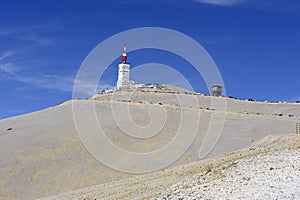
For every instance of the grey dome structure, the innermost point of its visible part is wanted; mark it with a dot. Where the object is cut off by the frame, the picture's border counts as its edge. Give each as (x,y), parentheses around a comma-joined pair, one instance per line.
(217,90)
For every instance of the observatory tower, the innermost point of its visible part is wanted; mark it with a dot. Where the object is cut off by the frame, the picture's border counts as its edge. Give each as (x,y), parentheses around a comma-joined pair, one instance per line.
(123,74)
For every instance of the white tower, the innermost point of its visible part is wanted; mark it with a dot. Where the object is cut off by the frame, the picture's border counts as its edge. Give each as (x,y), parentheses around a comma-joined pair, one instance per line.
(123,74)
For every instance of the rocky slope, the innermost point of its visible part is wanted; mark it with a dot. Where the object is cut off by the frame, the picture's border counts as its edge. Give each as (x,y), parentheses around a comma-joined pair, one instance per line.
(268,169)
(270,175)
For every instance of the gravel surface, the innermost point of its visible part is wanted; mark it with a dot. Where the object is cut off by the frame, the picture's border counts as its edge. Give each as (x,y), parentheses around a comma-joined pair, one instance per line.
(268,169)
(272,175)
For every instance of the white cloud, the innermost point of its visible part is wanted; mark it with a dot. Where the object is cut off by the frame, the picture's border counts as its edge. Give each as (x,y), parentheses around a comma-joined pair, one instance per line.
(18,65)
(222,2)
(37,35)
(57,82)
(9,71)
(7,68)
(5,55)
(38,41)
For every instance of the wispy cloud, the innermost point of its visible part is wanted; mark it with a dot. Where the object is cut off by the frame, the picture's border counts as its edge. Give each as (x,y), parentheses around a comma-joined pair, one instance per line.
(222,2)
(49,81)
(65,83)
(5,55)
(37,35)
(17,61)
(37,40)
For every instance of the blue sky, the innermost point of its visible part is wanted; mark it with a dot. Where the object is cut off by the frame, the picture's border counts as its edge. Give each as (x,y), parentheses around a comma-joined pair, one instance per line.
(255,44)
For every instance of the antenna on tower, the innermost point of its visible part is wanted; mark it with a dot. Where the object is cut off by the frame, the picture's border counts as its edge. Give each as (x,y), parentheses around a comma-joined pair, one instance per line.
(124,56)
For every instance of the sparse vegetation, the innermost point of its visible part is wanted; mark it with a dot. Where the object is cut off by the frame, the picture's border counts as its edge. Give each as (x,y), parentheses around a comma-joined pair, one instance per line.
(208,168)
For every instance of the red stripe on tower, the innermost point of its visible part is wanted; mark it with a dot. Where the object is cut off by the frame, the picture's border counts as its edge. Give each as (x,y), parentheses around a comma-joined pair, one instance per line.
(124,56)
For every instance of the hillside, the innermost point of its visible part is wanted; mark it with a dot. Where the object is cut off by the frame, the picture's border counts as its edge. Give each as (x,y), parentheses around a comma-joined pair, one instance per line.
(267,169)
(42,154)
